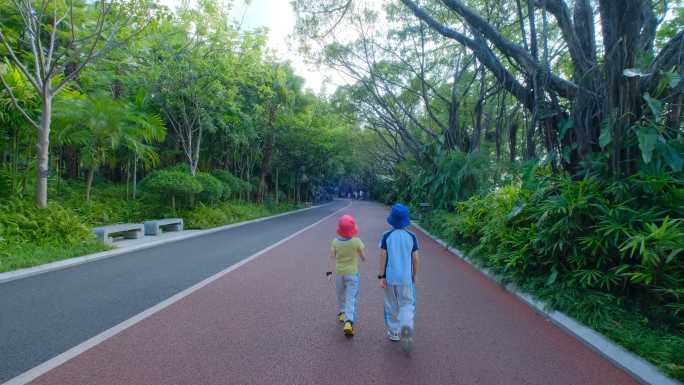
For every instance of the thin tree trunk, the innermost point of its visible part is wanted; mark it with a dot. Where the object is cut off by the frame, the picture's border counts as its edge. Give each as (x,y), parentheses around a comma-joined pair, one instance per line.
(135,176)
(266,165)
(512,140)
(479,110)
(128,178)
(277,189)
(89,183)
(43,153)
(499,124)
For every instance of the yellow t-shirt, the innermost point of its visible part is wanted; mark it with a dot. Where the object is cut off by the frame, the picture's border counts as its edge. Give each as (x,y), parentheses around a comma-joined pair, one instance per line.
(347,255)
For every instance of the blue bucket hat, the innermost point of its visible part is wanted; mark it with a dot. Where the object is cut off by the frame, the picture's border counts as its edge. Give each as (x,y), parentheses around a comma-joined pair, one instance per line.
(399,217)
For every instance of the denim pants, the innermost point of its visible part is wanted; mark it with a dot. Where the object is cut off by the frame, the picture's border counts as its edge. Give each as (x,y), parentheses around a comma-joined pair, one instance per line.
(347,287)
(400,307)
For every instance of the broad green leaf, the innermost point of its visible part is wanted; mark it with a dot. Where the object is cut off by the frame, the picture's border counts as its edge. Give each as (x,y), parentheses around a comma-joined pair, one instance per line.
(656,107)
(606,137)
(647,137)
(552,277)
(565,126)
(671,156)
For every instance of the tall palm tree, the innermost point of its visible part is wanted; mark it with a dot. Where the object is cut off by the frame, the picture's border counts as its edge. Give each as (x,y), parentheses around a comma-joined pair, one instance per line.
(142,129)
(100,126)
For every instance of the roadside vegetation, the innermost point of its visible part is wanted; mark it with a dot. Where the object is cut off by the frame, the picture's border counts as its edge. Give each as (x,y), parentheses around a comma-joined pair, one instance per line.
(549,150)
(124,111)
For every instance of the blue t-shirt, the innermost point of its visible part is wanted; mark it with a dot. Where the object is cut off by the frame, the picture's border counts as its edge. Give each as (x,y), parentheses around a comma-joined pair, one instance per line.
(399,244)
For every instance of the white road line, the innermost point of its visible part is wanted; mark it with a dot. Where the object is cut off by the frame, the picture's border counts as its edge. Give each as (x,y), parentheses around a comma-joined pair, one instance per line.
(56,361)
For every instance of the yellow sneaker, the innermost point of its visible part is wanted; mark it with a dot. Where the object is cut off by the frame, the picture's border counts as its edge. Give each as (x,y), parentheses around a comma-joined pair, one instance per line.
(341,317)
(348,329)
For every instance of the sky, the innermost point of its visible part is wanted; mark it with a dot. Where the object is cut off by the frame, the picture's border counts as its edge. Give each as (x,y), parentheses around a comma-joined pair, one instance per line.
(278,16)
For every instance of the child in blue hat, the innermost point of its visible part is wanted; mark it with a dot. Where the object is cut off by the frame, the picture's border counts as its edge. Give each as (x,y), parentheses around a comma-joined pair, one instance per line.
(399,264)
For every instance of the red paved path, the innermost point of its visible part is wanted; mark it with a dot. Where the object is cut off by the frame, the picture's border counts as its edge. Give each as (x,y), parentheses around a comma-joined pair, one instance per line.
(273,321)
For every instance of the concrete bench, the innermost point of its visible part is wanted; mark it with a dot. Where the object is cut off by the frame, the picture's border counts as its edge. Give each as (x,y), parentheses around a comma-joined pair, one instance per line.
(127,230)
(155,227)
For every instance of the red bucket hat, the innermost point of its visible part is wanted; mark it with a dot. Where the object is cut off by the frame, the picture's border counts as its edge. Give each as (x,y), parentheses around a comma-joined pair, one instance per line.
(346,226)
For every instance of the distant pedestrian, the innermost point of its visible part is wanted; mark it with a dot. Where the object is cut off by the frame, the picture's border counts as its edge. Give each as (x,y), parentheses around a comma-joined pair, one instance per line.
(345,252)
(399,265)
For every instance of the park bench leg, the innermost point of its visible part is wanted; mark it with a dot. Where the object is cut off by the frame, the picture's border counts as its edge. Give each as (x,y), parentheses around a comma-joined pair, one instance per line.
(152,229)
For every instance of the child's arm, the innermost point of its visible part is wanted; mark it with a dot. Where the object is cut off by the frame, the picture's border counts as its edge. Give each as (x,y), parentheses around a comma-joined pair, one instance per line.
(381,269)
(362,253)
(415,262)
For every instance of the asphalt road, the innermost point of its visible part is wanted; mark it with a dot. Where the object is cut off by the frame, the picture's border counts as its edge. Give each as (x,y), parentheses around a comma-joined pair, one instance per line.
(44,315)
(273,321)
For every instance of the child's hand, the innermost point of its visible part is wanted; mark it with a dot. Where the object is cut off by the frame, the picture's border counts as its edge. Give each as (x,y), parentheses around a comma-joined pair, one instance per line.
(383,283)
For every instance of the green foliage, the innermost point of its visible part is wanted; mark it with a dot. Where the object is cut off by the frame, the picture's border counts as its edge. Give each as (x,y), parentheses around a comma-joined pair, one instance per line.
(232,185)
(212,188)
(21,221)
(204,216)
(618,243)
(171,182)
(30,236)
(453,176)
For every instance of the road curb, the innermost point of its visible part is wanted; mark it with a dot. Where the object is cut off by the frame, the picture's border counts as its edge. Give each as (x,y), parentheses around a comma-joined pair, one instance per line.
(640,369)
(59,265)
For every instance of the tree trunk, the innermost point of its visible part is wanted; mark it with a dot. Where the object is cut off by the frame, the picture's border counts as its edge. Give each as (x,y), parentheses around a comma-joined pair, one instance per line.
(266,165)
(501,118)
(479,110)
(43,153)
(277,189)
(89,183)
(135,176)
(451,136)
(675,116)
(512,139)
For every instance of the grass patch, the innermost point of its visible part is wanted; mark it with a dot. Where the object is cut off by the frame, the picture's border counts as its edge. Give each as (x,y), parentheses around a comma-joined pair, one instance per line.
(28,255)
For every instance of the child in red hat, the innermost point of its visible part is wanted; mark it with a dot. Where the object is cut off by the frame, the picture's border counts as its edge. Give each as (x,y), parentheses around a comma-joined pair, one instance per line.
(345,252)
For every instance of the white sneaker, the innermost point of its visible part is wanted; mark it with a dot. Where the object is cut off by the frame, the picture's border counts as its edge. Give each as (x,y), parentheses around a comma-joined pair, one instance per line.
(393,336)
(407,339)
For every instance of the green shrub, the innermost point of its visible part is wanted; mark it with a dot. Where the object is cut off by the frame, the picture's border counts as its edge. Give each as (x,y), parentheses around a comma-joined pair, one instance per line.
(232,185)
(22,222)
(212,188)
(204,217)
(608,252)
(171,183)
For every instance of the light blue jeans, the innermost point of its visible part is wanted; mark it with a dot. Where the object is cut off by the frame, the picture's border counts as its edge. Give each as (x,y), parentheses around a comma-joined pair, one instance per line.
(400,307)
(347,287)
